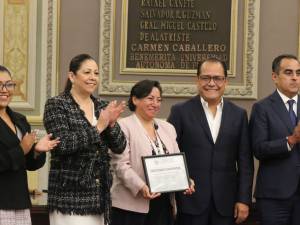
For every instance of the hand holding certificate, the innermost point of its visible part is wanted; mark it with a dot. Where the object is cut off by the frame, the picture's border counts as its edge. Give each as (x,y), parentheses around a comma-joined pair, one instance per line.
(166,173)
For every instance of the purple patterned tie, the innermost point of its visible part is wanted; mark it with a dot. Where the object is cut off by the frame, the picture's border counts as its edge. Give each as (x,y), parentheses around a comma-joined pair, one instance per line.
(292,114)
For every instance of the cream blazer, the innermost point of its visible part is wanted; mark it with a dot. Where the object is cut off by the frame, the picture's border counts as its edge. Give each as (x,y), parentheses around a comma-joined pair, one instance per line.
(128,173)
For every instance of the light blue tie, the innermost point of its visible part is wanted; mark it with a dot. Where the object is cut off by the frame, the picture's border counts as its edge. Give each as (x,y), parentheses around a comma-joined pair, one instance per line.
(292,114)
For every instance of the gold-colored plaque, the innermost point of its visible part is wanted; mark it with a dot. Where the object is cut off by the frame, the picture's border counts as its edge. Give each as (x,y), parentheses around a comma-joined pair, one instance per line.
(174,35)
(164,40)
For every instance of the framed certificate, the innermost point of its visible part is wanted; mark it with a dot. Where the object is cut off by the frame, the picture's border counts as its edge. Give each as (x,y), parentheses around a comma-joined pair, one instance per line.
(166,173)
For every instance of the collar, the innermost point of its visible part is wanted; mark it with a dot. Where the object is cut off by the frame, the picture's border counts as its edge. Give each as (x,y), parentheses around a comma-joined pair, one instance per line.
(205,103)
(285,98)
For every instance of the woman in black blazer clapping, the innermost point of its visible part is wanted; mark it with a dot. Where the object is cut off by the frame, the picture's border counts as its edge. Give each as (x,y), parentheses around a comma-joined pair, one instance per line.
(19,152)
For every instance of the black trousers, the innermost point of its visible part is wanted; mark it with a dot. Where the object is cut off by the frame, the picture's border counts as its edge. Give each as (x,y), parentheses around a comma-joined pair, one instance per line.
(160,213)
(210,216)
(280,212)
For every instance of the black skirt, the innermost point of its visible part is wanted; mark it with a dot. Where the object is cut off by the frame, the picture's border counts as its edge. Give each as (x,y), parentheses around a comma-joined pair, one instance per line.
(160,213)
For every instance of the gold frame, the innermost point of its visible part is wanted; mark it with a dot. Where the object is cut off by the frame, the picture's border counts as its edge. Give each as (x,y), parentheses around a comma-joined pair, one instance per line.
(49,60)
(47,67)
(246,89)
(175,72)
(19,45)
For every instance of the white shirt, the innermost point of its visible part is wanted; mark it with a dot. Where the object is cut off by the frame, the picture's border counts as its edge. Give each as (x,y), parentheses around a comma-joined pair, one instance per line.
(285,99)
(94,119)
(214,122)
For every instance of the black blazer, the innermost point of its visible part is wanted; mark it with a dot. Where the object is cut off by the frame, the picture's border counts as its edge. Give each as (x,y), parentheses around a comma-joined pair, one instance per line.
(13,164)
(279,169)
(222,170)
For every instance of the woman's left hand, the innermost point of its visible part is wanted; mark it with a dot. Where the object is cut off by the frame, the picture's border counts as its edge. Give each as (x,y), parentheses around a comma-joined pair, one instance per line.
(115,111)
(110,115)
(191,189)
(45,144)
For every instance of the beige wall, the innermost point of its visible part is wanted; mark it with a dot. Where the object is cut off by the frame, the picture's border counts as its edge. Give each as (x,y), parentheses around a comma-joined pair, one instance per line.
(79,32)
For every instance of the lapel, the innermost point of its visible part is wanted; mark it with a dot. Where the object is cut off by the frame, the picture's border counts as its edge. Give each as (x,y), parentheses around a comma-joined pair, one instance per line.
(225,119)
(142,137)
(298,108)
(279,107)
(19,122)
(200,115)
(164,136)
(9,137)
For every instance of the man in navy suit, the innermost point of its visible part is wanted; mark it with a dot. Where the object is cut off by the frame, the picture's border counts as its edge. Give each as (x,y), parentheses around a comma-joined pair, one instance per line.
(275,141)
(213,133)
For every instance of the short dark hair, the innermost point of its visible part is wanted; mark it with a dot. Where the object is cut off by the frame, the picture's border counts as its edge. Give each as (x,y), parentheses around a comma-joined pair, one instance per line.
(75,65)
(4,69)
(212,60)
(277,61)
(141,90)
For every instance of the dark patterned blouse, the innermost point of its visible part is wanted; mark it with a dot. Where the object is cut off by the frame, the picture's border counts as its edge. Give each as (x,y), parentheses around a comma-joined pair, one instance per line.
(80,178)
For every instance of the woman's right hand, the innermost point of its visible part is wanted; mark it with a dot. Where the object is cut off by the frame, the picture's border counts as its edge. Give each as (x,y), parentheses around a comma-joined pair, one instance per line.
(147,194)
(45,144)
(27,142)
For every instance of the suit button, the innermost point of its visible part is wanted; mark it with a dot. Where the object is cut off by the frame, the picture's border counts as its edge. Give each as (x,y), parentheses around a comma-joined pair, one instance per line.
(97,152)
(97,181)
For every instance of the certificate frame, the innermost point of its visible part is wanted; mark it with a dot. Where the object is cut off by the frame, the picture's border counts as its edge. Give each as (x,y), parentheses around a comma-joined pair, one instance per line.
(166,173)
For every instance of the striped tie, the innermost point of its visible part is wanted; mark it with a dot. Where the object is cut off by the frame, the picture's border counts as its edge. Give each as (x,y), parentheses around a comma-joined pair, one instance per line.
(292,114)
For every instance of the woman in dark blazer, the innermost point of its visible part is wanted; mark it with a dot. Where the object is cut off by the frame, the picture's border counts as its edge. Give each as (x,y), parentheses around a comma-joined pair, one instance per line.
(79,178)
(18,153)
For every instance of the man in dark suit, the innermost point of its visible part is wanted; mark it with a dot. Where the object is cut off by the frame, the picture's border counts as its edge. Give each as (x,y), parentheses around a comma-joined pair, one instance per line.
(213,133)
(275,138)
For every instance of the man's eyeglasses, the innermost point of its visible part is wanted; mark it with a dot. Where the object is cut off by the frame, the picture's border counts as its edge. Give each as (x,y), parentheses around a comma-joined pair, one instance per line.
(218,80)
(9,85)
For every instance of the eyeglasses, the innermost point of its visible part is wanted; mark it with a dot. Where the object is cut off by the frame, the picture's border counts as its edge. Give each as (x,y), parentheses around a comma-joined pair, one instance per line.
(9,85)
(218,80)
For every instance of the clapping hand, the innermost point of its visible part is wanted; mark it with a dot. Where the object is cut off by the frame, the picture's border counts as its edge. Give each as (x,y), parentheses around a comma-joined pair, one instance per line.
(115,111)
(295,137)
(27,142)
(109,115)
(45,144)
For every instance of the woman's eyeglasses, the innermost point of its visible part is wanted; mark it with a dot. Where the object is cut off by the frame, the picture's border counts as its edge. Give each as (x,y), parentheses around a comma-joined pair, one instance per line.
(9,85)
